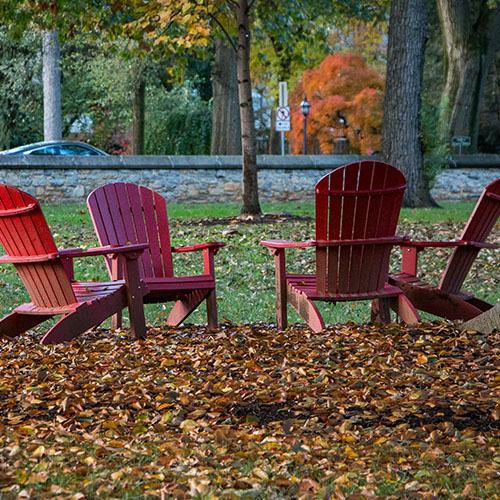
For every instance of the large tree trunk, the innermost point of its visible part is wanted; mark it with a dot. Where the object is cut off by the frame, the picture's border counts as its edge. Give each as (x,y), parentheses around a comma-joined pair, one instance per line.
(226,124)
(471,32)
(251,205)
(138,111)
(51,77)
(486,322)
(401,143)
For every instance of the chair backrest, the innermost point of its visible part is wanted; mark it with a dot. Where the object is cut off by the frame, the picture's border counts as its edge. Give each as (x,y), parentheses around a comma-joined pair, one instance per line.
(127,213)
(481,222)
(357,201)
(24,233)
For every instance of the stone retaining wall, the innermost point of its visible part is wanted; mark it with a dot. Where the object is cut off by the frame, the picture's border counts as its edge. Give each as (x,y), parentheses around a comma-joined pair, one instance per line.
(196,179)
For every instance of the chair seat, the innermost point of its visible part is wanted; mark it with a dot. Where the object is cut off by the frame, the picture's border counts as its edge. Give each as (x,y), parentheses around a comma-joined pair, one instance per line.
(85,292)
(306,284)
(177,283)
(402,279)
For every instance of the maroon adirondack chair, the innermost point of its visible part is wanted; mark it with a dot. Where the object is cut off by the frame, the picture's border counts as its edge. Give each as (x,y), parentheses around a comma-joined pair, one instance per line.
(47,275)
(126,213)
(448,300)
(357,210)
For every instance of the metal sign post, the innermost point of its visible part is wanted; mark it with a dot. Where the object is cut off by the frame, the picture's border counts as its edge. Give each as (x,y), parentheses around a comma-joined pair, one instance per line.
(283,114)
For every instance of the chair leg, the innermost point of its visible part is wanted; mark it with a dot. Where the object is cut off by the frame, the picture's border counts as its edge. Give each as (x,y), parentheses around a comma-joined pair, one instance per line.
(381,310)
(16,323)
(85,316)
(405,310)
(281,288)
(306,309)
(213,322)
(185,306)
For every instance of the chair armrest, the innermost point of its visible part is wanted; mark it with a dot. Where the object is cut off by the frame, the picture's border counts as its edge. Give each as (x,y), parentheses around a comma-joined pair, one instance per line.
(200,246)
(27,259)
(421,245)
(71,253)
(287,244)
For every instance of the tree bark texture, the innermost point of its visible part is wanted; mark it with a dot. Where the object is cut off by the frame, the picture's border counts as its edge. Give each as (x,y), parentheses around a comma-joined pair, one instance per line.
(486,322)
(250,186)
(401,142)
(226,124)
(51,77)
(471,32)
(138,112)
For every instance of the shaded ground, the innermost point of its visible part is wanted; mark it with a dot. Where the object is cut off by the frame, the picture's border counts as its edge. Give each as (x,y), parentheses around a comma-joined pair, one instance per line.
(270,218)
(248,412)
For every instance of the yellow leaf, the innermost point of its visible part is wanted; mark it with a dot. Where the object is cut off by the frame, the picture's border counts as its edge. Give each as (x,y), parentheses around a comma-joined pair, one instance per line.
(167,362)
(39,451)
(381,440)
(89,460)
(422,358)
(350,452)
(188,425)
(260,474)
(110,424)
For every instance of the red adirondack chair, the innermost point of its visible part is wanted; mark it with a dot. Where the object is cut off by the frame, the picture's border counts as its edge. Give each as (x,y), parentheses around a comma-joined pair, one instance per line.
(127,213)
(357,210)
(448,300)
(47,275)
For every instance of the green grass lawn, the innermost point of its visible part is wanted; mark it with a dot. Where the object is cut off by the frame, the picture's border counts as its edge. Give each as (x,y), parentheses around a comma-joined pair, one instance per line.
(247,412)
(245,269)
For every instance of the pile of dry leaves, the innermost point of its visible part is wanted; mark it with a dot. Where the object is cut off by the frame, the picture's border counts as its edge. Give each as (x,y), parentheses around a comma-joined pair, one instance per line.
(249,412)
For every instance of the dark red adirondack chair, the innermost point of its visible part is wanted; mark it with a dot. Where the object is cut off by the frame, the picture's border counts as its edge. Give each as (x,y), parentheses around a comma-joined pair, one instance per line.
(448,300)
(126,213)
(47,275)
(357,210)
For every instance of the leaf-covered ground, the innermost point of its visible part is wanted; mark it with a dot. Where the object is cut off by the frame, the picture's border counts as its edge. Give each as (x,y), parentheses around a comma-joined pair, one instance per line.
(247,412)
(355,412)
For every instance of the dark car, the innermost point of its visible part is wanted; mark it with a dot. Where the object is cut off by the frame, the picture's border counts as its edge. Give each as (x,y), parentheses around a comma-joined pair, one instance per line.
(56,148)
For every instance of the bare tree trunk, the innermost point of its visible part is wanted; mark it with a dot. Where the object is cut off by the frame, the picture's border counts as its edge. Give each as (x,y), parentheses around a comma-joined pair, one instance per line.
(251,203)
(226,123)
(471,31)
(138,113)
(401,142)
(51,77)
(486,322)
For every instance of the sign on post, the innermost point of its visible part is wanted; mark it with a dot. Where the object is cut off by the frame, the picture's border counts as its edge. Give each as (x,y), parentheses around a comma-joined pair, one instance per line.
(460,141)
(283,114)
(283,119)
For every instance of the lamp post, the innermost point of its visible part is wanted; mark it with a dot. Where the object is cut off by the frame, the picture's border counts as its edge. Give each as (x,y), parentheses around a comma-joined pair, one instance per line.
(305,107)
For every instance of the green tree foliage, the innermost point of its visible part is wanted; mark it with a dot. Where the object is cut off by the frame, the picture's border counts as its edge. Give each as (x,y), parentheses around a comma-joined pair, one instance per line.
(177,122)
(21,108)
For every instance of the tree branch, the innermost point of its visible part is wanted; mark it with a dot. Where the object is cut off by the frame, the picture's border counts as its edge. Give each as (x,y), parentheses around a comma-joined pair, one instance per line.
(228,36)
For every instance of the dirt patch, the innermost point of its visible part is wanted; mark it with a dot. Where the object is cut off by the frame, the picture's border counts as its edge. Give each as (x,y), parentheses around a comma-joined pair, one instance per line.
(270,218)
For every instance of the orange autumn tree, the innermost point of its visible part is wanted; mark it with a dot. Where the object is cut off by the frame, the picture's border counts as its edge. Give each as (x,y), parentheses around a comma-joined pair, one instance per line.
(346,104)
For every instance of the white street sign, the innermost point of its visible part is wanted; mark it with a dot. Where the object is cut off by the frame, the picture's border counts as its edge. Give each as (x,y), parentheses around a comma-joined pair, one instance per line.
(283,119)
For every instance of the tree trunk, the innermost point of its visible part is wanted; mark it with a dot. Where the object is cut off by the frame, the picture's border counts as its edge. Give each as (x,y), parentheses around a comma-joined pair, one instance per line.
(138,106)
(226,124)
(472,37)
(401,142)
(51,77)
(486,322)
(251,205)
